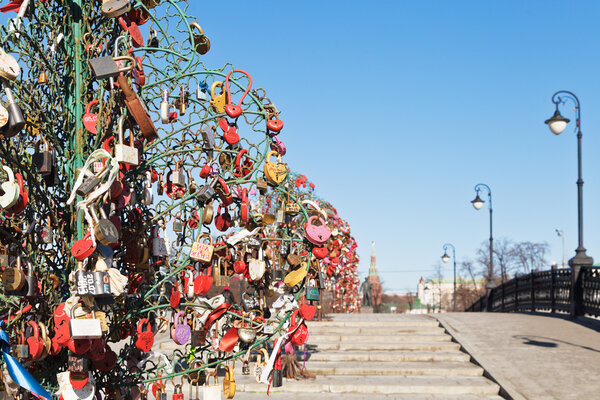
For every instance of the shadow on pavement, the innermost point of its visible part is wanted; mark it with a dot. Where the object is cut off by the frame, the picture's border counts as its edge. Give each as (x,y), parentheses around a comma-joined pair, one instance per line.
(549,342)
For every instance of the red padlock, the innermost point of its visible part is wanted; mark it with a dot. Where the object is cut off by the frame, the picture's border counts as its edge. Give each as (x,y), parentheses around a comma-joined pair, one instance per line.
(275,125)
(79,346)
(222,220)
(175,296)
(233,110)
(134,31)
(139,15)
(35,343)
(90,120)
(97,349)
(194,220)
(230,131)
(205,171)
(83,248)
(139,76)
(208,280)
(244,169)
(145,338)
(108,362)
(244,214)
(320,252)
(223,191)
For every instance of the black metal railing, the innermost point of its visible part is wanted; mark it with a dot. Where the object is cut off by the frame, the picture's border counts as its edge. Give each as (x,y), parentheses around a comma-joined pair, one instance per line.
(555,291)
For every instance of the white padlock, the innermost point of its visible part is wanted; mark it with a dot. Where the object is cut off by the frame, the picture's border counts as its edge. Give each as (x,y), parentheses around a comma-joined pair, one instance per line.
(123,153)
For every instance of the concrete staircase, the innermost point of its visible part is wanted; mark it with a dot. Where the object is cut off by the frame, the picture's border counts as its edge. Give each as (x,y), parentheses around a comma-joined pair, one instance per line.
(380,356)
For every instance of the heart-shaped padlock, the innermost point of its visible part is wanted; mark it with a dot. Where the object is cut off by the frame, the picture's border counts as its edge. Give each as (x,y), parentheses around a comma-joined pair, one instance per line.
(35,343)
(79,346)
(145,338)
(316,230)
(182,332)
(175,296)
(320,252)
(97,349)
(108,362)
(307,311)
(275,125)
(223,219)
(233,110)
(90,120)
(230,131)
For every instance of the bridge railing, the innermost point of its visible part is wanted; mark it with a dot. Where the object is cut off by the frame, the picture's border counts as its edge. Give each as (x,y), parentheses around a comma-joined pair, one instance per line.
(554,291)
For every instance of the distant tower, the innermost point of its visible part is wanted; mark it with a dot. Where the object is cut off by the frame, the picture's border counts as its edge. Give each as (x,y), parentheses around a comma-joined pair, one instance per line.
(376,289)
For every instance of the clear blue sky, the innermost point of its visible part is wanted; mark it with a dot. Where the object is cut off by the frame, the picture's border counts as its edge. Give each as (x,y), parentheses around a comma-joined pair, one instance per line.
(396,109)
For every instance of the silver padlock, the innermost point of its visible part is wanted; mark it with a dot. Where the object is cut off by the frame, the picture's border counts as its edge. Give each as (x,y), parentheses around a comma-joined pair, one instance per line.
(123,153)
(207,192)
(280,216)
(178,176)
(177,225)
(208,136)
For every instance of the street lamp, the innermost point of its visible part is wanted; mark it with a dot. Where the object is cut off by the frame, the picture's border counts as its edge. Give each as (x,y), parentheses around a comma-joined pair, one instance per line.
(557,125)
(561,234)
(446,258)
(477,204)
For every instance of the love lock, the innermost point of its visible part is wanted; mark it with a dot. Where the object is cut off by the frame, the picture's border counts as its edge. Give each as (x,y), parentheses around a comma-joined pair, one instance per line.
(201,41)
(10,189)
(230,131)
(90,120)
(137,40)
(233,110)
(145,338)
(138,72)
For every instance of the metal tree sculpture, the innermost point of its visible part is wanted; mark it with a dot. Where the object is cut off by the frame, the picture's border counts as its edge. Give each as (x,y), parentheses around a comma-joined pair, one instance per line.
(147,198)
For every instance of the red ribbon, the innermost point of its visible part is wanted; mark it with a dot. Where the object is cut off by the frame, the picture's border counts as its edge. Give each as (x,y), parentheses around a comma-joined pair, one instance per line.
(229,340)
(215,315)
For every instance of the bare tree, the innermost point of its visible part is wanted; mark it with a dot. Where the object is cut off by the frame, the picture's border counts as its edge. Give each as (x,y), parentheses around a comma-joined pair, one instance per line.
(530,256)
(504,259)
(468,292)
(483,258)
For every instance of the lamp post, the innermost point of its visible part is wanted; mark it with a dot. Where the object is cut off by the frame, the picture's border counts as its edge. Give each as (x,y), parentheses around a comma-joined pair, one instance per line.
(557,125)
(561,234)
(477,204)
(446,258)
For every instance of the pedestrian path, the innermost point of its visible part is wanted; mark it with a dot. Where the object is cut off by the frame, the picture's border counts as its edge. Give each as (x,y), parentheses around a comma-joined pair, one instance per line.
(533,356)
(360,356)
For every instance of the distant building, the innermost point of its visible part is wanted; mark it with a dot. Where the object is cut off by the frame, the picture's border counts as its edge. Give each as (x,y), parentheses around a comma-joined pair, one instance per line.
(435,294)
(376,289)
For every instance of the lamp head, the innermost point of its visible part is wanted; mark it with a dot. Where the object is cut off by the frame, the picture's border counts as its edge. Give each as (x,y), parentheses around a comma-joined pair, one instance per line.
(557,123)
(477,202)
(445,257)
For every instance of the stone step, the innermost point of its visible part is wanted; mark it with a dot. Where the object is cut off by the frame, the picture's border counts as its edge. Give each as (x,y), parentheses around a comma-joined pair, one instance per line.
(370,368)
(400,356)
(376,324)
(358,396)
(394,338)
(385,346)
(383,385)
(348,330)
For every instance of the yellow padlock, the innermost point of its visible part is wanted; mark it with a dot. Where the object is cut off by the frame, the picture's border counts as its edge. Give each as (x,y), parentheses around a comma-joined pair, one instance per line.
(218,102)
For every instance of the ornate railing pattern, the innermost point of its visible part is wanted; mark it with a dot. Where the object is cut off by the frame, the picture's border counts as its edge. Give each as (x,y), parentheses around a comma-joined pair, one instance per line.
(554,291)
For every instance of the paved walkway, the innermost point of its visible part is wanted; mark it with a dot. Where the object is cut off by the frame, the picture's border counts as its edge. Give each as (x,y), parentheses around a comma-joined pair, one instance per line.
(532,357)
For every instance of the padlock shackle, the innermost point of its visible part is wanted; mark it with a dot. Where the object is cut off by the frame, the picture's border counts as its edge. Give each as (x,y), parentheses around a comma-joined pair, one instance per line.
(245,92)
(89,106)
